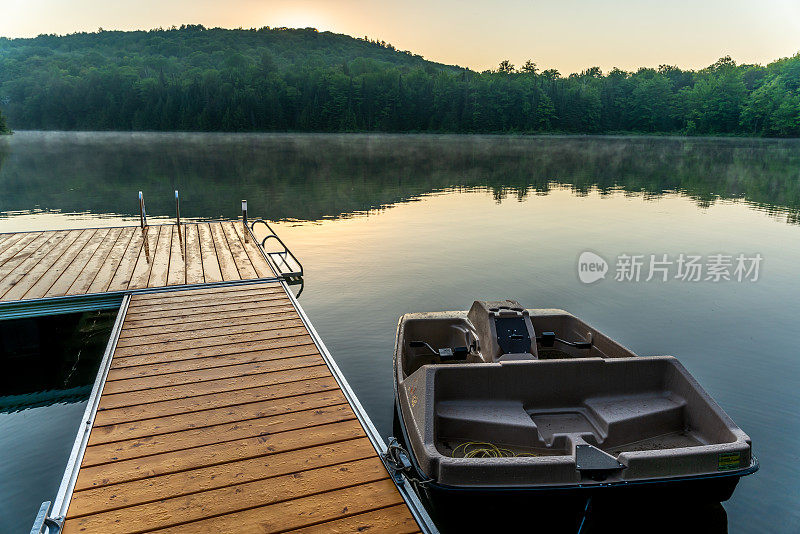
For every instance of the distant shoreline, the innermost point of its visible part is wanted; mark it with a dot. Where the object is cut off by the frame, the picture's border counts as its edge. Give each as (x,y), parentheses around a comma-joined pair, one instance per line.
(191,78)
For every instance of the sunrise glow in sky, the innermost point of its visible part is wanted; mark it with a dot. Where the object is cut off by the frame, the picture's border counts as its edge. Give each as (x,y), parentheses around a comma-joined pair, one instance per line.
(569,35)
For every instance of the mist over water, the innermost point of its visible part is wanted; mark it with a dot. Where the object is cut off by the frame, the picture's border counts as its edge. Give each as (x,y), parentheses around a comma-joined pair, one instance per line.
(316,176)
(389,224)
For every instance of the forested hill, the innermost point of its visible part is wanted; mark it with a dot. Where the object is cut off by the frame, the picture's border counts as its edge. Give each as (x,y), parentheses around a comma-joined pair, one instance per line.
(193,78)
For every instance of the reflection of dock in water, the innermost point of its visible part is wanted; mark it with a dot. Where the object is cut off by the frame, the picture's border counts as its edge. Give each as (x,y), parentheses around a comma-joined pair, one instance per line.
(14,403)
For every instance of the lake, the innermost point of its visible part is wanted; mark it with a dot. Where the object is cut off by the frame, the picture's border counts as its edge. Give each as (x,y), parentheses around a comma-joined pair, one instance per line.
(389,224)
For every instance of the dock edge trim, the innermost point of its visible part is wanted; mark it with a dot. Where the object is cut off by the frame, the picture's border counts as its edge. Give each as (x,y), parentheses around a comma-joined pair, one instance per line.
(411,499)
(21,309)
(109,300)
(65,490)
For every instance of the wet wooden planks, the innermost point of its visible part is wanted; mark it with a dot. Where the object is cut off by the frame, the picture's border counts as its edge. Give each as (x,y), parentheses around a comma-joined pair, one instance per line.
(220,415)
(77,262)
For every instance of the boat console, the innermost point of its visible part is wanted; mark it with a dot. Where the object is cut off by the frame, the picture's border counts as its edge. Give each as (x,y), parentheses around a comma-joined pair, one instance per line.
(498,331)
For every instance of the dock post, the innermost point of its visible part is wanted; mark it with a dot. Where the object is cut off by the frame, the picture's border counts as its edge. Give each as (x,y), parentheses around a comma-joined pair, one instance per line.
(244,221)
(177,210)
(142,212)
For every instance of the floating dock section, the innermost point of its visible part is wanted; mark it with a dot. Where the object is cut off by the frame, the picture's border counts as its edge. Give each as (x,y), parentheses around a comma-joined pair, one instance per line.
(38,265)
(217,407)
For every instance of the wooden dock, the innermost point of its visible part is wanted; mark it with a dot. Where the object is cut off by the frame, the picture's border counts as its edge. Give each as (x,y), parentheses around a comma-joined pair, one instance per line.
(217,407)
(35,265)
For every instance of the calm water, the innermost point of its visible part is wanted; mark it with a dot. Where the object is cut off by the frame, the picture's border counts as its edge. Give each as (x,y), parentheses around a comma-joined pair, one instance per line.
(391,224)
(49,366)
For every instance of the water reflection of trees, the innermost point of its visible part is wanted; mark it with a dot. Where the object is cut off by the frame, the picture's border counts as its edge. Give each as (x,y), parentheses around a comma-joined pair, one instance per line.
(311,177)
(51,359)
(3,154)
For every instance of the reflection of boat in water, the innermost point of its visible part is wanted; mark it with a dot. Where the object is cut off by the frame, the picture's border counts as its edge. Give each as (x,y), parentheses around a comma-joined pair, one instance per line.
(534,407)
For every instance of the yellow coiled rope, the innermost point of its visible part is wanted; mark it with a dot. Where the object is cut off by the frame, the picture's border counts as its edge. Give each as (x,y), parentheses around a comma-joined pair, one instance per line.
(484,449)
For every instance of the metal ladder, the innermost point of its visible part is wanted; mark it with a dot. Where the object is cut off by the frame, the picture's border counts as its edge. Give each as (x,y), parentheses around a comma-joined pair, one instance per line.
(284,261)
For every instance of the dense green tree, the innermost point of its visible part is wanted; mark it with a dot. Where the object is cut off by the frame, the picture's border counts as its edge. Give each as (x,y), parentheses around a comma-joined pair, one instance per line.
(529,67)
(773,108)
(551,74)
(193,78)
(650,103)
(505,67)
(714,104)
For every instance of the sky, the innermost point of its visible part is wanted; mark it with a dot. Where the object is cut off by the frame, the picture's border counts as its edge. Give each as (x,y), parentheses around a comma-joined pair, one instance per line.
(568,35)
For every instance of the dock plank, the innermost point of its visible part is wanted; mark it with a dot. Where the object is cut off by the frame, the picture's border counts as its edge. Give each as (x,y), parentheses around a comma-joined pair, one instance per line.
(298,513)
(177,510)
(51,273)
(161,257)
(194,261)
(208,252)
(217,454)
(204,293)
(14,286)
(161,450)
(238,307)
(144,263)
(147,449)
(207,304)
(8,240)
(190,405)
(297,329)
(199,376)
(20,252)
(122,371)
(134,327)
(165,301)
(78,264)
(148,329)
(270,465)
(266,323)
(121,278)
(217,350)
(117,400)
(394,519)
(260,264)
(216,416)
(6,237)
(227,264)
(16,244)
(97,263)
(243,262)
(101,280)
(177,258)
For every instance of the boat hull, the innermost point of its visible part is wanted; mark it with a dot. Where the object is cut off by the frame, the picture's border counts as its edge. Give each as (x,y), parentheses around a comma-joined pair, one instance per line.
(563,508)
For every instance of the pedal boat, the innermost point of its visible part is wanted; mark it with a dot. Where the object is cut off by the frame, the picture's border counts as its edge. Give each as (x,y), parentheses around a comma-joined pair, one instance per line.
(503,402)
